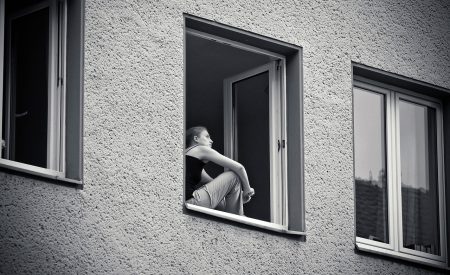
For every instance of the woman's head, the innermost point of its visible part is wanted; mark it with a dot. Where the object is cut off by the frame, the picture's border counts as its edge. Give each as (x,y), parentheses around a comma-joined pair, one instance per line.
(198,135)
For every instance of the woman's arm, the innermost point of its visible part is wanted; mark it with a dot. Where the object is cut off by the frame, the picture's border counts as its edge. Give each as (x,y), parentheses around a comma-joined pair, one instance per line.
(207,153)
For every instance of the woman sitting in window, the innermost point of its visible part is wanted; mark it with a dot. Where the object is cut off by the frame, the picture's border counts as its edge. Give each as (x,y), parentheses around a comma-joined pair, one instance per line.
(227,192)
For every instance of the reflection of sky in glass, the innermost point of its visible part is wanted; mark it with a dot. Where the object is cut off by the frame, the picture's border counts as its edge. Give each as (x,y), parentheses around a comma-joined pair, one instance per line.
(414,145)
(369,128)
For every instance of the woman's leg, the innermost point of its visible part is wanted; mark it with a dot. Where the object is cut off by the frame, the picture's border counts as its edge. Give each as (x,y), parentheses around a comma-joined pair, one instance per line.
(225,193)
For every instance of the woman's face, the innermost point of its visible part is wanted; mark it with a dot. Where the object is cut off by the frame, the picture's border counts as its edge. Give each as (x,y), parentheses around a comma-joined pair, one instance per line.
(203,139)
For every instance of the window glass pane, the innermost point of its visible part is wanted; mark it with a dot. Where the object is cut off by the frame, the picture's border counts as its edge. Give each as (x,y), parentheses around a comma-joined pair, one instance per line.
(370,166)
(27,142)
(251,118)
(419,177)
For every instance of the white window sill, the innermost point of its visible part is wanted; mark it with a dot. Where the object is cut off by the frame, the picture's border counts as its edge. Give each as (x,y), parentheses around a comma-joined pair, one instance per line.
(402,256)
(245,220)
(37,171)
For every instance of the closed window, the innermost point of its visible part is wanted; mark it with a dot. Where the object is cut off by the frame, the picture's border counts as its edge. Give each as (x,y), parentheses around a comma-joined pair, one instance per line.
(399,174)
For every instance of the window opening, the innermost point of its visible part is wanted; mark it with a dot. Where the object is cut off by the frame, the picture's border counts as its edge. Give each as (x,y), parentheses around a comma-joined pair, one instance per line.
(246,89)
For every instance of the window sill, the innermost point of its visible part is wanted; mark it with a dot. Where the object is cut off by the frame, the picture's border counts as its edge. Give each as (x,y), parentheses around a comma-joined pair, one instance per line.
(244,220)
(402,256)
(37,171)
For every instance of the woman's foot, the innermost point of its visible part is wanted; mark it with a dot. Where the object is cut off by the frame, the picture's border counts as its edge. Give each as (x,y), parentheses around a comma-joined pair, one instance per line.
(247,196)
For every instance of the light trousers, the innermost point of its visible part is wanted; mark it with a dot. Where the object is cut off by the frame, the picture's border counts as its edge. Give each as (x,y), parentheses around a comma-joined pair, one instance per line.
(222,193)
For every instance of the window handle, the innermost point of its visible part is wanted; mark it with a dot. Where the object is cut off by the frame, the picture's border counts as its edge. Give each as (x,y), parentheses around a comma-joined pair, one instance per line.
(281,144)
(22,114)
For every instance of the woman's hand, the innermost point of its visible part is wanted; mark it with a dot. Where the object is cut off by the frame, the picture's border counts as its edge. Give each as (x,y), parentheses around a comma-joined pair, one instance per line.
(247,196)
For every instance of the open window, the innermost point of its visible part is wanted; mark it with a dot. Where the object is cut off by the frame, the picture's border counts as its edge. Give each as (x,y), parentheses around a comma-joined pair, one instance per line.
(246,89)
(40,107)
(254,135)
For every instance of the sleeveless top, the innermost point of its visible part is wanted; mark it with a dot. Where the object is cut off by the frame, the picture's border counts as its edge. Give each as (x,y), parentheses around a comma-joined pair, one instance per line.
(194,167)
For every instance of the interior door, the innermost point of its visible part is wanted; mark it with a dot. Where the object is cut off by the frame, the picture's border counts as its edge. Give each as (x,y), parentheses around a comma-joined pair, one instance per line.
(253,136)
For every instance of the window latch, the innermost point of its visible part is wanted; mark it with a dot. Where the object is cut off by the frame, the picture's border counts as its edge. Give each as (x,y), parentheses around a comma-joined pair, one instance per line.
(60,81)
(281,144)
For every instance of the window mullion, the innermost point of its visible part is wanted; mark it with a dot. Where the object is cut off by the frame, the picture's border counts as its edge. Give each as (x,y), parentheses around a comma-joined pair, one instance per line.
(395,202)
(2,44)
(53,125)
(276,137)
(391,173)
(62,12)
(441,183)
(273,138)
(282,86)
(8,87)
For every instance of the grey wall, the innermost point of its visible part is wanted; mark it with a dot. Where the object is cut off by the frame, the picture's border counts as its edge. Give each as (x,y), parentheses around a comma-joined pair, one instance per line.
(129,218)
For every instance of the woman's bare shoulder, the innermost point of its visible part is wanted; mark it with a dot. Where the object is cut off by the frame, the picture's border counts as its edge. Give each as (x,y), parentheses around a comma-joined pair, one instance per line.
(205,149)
(200,151)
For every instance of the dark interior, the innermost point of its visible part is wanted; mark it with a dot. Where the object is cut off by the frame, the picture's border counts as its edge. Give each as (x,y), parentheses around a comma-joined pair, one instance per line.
(208,63)
(29,88)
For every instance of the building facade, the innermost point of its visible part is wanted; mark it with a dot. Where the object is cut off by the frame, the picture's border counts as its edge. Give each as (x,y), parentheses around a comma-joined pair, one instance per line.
(126,78)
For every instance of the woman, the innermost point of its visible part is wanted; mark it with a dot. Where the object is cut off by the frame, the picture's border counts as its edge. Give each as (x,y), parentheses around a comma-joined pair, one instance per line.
(227,192)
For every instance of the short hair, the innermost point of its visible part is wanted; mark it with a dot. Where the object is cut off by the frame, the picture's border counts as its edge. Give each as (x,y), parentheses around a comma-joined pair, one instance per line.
(192,132)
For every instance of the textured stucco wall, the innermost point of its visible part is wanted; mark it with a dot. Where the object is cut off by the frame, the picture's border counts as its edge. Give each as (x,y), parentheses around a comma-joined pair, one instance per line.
(128,218)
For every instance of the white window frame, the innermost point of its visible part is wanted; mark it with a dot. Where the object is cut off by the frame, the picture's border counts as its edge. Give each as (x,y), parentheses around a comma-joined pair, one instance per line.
(56,92)
(389,150)
(440,177)
(395,248)
(276,129)
(279,190)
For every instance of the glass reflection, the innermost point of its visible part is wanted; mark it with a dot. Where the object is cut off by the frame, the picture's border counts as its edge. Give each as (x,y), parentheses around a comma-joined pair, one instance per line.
(370,166)
(419,177)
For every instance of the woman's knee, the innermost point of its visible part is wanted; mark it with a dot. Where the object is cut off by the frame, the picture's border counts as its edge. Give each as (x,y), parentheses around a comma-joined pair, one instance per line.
(232,176)
(233,180)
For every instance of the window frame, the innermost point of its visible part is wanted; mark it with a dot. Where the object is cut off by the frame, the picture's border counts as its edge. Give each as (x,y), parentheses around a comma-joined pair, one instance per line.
(56,89)
(389,150)
(66,39)
(292,214)
(278,188)
(437,105)
(393,95)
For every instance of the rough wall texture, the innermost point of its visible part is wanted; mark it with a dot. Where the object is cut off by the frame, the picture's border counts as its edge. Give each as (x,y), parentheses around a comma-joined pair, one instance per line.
(128,218)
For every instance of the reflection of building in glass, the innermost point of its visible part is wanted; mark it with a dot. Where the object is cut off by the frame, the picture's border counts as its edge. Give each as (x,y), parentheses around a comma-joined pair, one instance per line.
(420,226)
(371,211)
